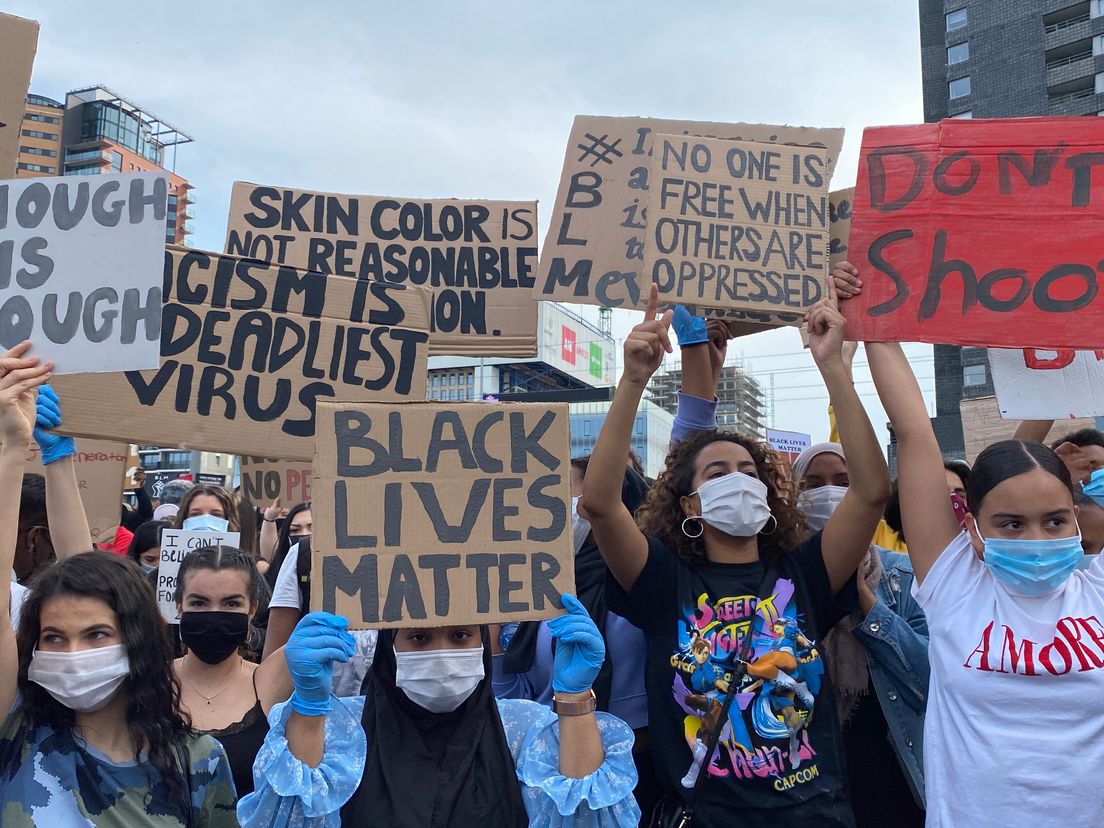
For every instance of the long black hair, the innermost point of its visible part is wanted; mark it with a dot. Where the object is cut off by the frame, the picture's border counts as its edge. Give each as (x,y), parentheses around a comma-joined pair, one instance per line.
(154,717)
(146,536)
(283,542)
(1007,459)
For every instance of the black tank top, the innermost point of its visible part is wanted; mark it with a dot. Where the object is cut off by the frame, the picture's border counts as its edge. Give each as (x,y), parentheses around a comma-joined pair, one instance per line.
(242,742)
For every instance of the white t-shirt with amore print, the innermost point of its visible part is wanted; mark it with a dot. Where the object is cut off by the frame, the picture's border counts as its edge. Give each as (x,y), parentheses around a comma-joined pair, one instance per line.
(1014,734)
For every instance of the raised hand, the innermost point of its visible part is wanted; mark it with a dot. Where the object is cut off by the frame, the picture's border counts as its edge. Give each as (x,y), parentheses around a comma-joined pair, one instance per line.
(1075,460)
(48,417)
(318,640)
(690,329)
(580,649)
(825,325)
(647,343)
(20,377)
(717,330)
(845,278)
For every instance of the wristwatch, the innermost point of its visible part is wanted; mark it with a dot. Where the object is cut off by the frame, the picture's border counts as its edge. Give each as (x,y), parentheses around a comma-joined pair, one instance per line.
(581,707)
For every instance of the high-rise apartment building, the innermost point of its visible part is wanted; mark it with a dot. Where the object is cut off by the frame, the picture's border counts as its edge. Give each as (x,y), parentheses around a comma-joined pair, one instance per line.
(1002,59)
(98,131)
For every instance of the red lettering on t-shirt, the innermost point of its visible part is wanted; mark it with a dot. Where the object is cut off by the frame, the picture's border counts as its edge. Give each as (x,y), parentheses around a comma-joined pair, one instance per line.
(983,649)
(1084,653)
(1019,655)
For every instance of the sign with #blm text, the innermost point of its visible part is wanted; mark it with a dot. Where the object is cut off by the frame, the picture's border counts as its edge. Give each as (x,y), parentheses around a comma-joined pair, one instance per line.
(980,232)
(1033,384)
(431,514)
(737,225)
(247,351)
(18,43)
(595,248)
(80,269)
(477,257)
(176,545)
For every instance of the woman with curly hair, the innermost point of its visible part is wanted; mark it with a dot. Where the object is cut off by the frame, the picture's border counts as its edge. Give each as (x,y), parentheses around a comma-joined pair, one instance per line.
(722,556)
(94,733)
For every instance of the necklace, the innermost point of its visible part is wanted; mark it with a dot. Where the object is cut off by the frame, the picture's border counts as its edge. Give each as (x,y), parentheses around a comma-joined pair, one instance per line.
(208,699)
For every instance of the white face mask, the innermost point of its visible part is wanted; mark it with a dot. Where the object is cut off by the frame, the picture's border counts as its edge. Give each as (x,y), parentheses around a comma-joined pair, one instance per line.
(819,504)
(580,526)
(439,680)
(205,523)
(735,503)
(83,681)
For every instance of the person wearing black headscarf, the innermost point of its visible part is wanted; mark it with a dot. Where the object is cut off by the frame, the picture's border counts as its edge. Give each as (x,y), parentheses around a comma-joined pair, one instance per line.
(428,746)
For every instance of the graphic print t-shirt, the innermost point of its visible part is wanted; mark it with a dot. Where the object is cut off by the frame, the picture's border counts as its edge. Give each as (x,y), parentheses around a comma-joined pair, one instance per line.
(780,759)
(1014,734)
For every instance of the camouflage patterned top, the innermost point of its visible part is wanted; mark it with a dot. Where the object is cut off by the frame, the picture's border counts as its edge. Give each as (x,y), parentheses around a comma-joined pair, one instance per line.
(56,779)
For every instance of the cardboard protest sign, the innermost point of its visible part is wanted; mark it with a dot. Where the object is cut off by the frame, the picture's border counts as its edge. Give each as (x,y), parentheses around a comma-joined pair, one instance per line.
(1048,385)
(80,269)
(433,514)
(980,233)
(594,250)
(264,479)
(18,44)
(738,225)
(479,258)
(840,209)
(176,544)
(982,425)
(247,349)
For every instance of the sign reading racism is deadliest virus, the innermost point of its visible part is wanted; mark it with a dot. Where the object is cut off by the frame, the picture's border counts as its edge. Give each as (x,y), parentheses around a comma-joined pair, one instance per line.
(478,257)
(737,225)
(430,514)
(80,269)
(595,247)
(247,351)
(980,233)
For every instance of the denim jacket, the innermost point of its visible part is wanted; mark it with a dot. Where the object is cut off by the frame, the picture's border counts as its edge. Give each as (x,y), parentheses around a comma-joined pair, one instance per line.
(895,634)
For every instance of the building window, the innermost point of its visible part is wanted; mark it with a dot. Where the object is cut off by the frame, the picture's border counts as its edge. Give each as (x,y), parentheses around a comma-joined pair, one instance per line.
(42,119)
(49,153)
(969,113)
(974,374)
(117,161)
(958,53)
(586,428)
(959,87)
(38,133)
(35,168)
(956,20)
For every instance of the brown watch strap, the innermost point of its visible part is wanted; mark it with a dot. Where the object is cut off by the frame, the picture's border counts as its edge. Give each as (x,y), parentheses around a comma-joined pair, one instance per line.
(582,707)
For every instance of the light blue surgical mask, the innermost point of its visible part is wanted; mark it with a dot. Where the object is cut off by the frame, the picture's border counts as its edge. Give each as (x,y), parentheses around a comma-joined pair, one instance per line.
(1032,566)
(147,568)
(1095,487)
(205,523)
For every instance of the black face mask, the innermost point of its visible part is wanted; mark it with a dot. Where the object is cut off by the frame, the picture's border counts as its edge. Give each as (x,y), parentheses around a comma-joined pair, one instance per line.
(279,522)
(213,636)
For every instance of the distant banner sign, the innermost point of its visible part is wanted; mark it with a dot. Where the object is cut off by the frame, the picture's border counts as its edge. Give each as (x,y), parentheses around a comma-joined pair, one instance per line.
(80,269)
(980,233)
(18,44)
(431,514)
(595,248)
(210,479)
(1033,384)
(247,350)
(737,225)
(176,545)
(156,481)
(265,479)
(478,257)
(788,442)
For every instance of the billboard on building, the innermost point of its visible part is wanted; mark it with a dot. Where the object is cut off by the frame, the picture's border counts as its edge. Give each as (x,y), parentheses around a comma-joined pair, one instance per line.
(574,346)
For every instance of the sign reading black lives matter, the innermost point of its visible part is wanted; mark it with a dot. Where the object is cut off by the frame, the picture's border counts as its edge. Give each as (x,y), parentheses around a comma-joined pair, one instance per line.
(478,257)
(80,269)
(430,514)
(737,225)
(247,351)
(595,246)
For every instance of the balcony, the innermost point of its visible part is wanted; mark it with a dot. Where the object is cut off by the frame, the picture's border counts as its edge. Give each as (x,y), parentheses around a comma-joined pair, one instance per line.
(1062,32)
(82,159)
(1064,70)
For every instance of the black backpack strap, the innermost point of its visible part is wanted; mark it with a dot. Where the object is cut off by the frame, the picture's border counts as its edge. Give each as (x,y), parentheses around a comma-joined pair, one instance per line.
(303,575)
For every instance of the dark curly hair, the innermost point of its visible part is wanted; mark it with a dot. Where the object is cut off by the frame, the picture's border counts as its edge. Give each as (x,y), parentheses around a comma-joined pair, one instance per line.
(662,515)
(154,717)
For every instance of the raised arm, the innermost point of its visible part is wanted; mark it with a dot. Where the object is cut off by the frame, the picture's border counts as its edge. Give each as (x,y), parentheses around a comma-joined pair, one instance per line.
(270,536)
(64,508)
(927,515)
(847,535)
(19,377)
(623,546)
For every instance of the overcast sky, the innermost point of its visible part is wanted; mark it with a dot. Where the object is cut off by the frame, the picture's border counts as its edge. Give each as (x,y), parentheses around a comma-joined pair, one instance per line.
(475,99)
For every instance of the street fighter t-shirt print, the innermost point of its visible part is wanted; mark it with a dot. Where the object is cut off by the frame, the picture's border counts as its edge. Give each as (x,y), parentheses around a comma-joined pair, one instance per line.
(780,750)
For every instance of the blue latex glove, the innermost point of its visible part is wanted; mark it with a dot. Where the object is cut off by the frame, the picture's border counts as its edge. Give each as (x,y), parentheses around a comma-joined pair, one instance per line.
(48,417)
(689,329)
(580,649)
(318,640)
(1095,487)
